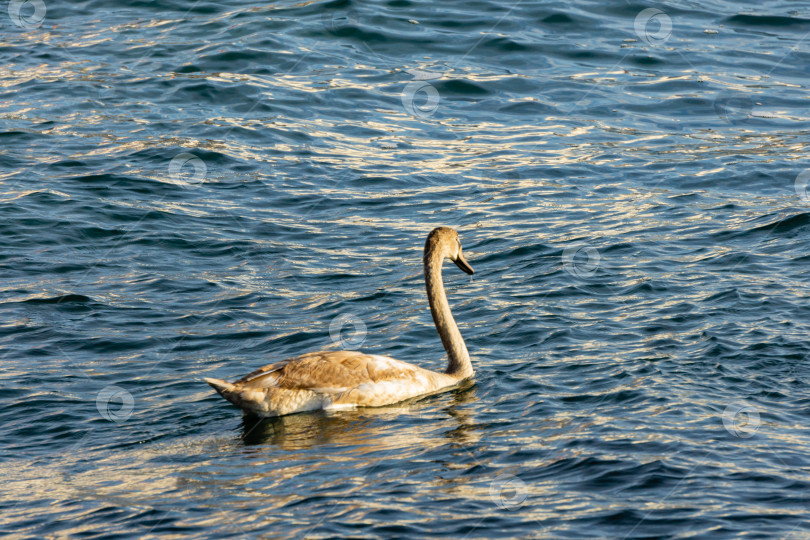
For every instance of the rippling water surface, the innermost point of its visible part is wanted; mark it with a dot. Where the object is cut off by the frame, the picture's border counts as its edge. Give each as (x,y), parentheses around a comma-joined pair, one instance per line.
(194,188)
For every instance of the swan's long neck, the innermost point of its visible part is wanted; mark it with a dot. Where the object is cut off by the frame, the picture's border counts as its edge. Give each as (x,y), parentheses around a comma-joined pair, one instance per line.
(459,364)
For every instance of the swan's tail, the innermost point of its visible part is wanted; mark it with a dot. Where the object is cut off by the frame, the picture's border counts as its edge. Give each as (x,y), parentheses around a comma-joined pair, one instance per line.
(224,389)
(246,399)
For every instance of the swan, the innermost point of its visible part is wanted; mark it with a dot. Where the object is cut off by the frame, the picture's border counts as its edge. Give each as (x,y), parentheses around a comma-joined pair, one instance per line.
(347,379)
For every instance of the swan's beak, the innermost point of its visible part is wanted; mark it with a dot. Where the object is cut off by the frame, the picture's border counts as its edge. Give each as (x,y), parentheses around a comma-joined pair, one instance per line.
(462,263)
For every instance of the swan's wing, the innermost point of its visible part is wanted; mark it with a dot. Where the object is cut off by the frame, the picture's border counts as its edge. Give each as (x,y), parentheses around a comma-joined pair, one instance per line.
(266,370)
(331,372)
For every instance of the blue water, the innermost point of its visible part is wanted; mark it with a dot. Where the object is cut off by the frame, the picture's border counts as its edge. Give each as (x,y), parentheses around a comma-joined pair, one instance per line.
(193,189)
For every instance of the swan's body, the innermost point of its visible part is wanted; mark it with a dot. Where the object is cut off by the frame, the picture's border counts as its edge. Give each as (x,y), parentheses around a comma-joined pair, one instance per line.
(344,379)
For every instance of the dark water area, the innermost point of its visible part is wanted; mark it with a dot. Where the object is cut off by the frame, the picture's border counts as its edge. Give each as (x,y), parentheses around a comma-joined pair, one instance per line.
(196,189)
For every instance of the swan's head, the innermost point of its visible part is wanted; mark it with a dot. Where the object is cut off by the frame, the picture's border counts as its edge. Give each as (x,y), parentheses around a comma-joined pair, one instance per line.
(447,242)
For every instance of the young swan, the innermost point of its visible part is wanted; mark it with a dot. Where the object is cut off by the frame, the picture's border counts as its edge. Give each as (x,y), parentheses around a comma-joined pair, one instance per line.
(344,379)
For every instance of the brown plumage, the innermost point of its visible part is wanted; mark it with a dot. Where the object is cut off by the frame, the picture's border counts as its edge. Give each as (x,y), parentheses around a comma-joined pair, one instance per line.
(338,379)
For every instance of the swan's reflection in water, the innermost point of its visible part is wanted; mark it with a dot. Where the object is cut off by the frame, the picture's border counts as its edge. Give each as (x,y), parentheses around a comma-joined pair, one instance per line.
(384,427)
(343,463)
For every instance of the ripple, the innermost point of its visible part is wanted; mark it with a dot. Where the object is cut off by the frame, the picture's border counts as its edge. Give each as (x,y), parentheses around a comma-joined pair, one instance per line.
(198,190)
